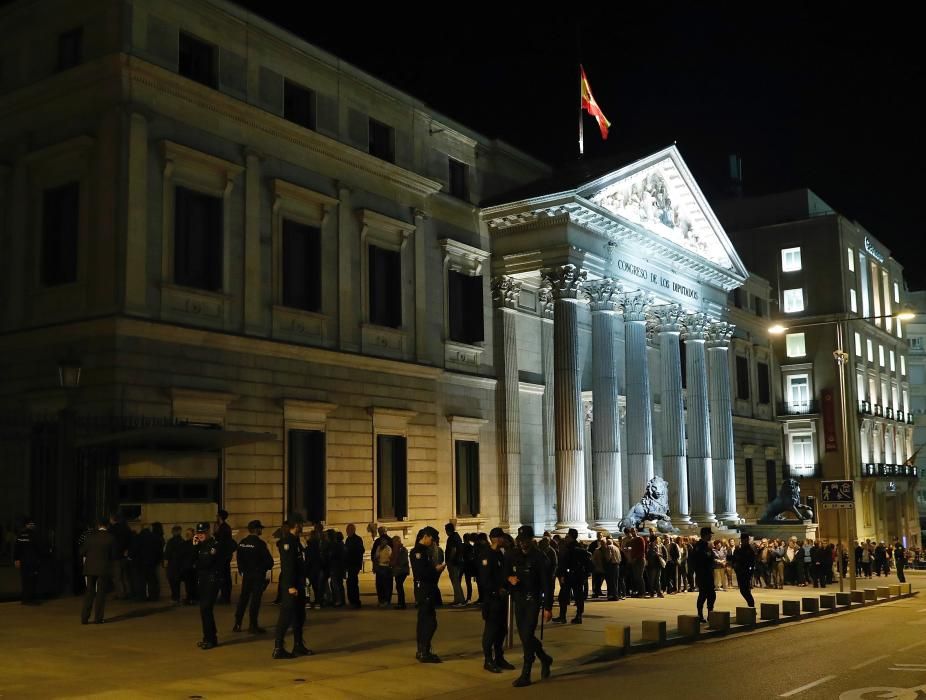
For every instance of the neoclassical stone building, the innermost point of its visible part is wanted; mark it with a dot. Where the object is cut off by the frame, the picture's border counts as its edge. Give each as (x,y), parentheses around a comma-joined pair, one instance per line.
(240,273)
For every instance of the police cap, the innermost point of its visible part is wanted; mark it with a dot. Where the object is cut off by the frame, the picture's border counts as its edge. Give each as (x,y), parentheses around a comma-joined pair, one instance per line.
(203,527)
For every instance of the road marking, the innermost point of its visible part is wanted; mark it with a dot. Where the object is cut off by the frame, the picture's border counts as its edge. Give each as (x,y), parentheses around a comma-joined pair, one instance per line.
(915,644)
(920,665)
(806,687)
(869,662)
(917,670)
(923,610)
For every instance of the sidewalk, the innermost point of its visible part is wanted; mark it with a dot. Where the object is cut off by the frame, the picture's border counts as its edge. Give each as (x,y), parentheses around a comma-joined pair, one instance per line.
(147,650)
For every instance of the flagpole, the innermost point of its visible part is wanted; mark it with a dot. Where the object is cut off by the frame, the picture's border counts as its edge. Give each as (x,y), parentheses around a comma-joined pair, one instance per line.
(581,126)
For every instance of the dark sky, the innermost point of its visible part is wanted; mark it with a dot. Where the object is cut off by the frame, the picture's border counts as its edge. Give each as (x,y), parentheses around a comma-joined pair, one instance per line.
(808,98)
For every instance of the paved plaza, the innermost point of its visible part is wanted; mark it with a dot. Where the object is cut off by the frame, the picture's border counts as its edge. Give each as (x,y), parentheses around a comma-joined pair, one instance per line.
(148,650)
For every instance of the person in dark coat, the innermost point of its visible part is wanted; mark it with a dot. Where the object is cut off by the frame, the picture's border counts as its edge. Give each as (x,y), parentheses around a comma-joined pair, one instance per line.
(188,566)
(353,562)
(97,553)
(223,533)
(744,564)
(26,558)
(490,560)
(173,562)
(254,561)
(292,593)
(122,575)
(426,573)
(336,567)
(210,564)
(702,563)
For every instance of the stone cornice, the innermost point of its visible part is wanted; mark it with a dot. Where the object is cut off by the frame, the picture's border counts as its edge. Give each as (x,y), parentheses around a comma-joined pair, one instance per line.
(381,222)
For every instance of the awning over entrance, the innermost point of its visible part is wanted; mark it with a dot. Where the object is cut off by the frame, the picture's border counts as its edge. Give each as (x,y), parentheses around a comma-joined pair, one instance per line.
(177,437)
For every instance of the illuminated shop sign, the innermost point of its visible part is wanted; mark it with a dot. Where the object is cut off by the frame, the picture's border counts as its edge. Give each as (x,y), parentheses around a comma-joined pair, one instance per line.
(872,251)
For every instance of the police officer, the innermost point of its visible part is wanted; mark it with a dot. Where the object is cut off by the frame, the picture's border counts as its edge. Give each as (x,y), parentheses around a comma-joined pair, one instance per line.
(210,561)
(702,561)
(573,576)
(490,562)
(26,559)
(292,592)
(526,570)
(426,573)
(254,561)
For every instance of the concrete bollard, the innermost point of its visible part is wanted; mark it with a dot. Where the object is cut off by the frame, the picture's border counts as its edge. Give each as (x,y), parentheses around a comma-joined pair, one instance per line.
(617,636)
(858,597)
(810,605)
(871,594)
(654,631)
(883,592)
(894,590)
(906,589)
(791,608)
(769,611)
(844,598)
(827,602)
(689,626)
(746,616)
(719,620)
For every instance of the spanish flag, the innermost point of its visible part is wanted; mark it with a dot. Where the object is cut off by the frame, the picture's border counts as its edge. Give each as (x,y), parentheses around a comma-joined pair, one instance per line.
(590,106)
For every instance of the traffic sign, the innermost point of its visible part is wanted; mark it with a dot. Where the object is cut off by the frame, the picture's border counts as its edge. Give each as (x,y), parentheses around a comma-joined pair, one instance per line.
(837,495)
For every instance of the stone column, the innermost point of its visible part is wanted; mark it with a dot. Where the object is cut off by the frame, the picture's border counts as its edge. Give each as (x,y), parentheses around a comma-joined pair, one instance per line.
(136,240)
(606,436)
(549,430)
(721,403)
(700,479)
(505,293)
(253,306)
(565,283)
(674,463)
(639,410)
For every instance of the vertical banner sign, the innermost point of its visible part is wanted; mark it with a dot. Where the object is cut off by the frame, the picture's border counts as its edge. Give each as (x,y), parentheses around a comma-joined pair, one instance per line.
(829,421)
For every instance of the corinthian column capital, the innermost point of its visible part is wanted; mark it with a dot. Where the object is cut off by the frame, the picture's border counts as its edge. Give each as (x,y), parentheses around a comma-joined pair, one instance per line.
(668,318)
(635,305)
(505,292)
(564,281)
(719,334)
(545,296)
(695,327)
(603,294)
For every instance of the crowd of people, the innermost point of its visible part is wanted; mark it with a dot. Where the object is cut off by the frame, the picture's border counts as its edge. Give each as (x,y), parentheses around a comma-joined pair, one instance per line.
(484,569)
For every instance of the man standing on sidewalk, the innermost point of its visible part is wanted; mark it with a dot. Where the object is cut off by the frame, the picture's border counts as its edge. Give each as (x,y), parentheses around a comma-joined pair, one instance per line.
(491,567)
(254,561)
(209,563)
(900,560)
(531,589)
(26,558)
(702,562)
(292,592)
(454,556)
(426,572)
(353,548)
(744,564)
(97,553)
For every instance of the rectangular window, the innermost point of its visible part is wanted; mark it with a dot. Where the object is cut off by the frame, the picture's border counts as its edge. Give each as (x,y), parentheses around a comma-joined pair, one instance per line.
(853,301)
(765,394)
(683,361)
(198,245)
(798,393)
(70,48)
(875,294)
(903,365)
(851,259)
(863,271)
(881,355)
(307,474)
(896,293)
(795,345)
(302,273)
(750,482)
(801,451)
(458,177)
(391,477)
(858,345)
(760,307)
(794,300)
(771,479)
(299,104)
(382,141)
(870,347)
(60,227)
(742,378)
(197,60)
(385,287)
(891,357)
(467,457)
(790,259)
(464,295)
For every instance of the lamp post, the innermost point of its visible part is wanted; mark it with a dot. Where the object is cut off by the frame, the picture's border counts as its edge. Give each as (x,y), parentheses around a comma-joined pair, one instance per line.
(842,357)
(68,380)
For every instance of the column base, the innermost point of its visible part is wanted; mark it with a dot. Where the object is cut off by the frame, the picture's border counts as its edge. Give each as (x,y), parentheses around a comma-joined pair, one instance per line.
(581,526)
(703,519)
(611,526)
(731,520)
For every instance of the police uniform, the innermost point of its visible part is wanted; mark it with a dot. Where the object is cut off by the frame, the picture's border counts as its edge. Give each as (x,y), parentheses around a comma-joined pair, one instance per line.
(292,606)
(426,576)
(209,564)
(254,561)
(702,560)
(533,591)
(490,564)
(26,553)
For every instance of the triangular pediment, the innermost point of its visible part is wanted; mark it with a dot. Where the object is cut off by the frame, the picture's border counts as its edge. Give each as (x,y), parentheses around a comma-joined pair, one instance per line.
(659,195)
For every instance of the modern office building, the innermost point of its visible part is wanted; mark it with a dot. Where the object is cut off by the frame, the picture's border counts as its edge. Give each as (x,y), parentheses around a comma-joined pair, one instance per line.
(833,279)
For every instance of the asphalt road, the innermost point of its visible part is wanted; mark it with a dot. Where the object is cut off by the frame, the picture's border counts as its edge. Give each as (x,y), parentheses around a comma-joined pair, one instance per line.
(862,655)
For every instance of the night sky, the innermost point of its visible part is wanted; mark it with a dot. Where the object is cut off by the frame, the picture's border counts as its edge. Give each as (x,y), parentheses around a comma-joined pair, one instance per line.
(807,98)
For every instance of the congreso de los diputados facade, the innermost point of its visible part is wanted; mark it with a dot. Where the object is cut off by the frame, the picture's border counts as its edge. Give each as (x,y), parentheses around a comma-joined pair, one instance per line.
(243,274)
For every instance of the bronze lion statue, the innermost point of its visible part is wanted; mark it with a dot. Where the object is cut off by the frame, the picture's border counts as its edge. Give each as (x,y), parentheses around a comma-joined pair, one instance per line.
(654,506)
(787,502)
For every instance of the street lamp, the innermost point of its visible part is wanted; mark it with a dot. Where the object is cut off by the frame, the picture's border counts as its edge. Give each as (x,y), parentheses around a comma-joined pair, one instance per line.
(842,358)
